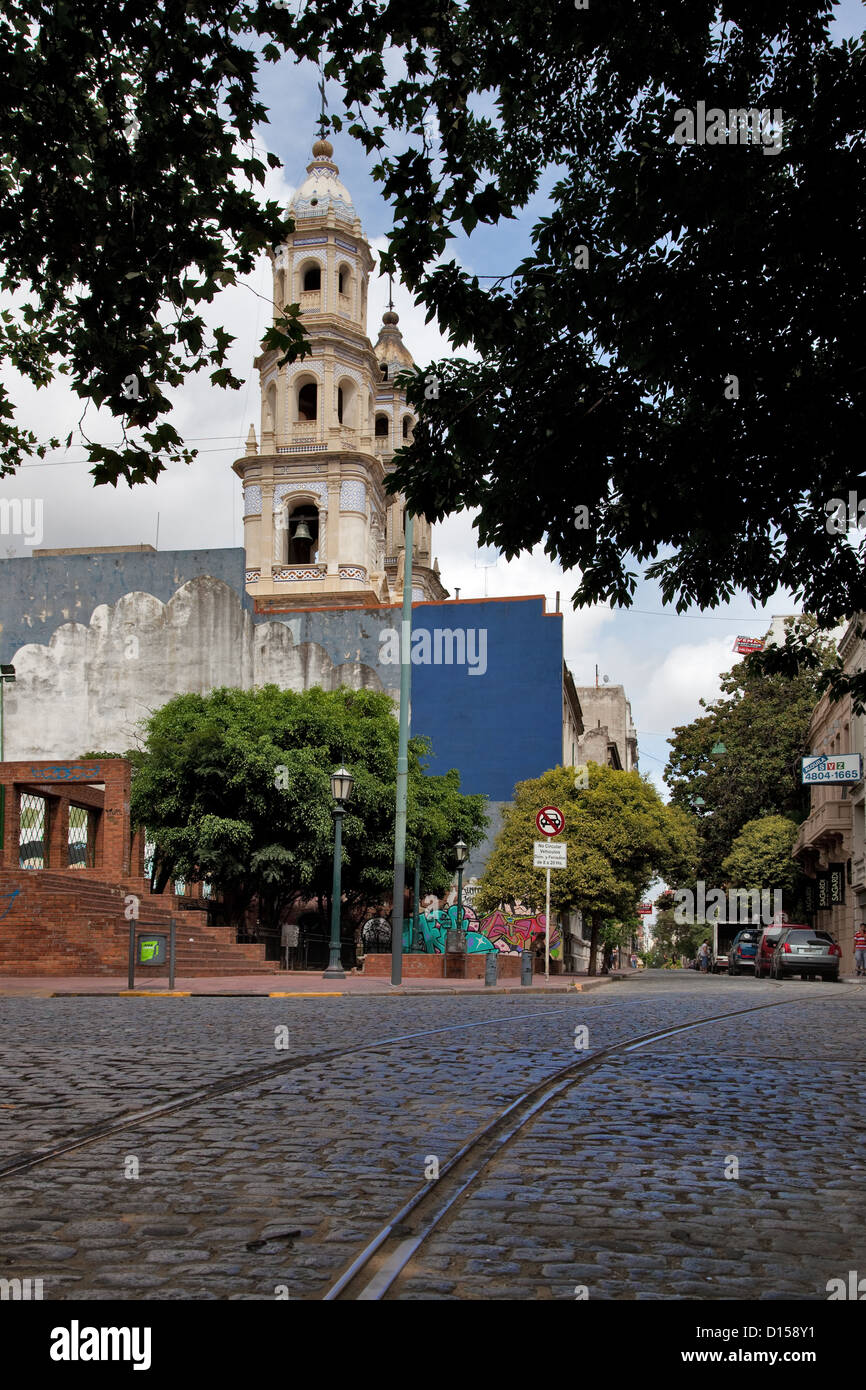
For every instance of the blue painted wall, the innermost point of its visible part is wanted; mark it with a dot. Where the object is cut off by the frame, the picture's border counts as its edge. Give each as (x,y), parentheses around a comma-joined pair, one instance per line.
(502,726)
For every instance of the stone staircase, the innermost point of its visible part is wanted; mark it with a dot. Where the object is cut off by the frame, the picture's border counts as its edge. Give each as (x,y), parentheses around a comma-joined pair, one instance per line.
(72,924)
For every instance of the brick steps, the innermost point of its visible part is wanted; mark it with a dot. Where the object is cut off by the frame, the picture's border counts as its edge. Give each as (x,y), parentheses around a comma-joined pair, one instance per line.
(62,924)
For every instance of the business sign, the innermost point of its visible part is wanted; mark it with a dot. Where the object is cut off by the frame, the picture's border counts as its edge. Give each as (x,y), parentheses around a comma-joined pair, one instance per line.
(837,885)
(548,856)
(744,645)
(644,908)
(822,885)
(841,767)
(550,820)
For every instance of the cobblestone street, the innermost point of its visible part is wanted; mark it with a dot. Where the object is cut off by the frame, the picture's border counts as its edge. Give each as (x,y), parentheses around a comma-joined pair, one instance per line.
(720,1162)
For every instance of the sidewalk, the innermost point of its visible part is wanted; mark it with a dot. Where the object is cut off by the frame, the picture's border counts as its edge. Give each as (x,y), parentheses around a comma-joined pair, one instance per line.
(287,984)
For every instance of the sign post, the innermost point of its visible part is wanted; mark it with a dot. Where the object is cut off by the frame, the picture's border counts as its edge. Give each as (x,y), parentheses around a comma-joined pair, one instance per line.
(547,856)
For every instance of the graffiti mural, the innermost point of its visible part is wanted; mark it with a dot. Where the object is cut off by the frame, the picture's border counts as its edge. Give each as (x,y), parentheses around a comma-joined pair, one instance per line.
(507,931)
(11,896)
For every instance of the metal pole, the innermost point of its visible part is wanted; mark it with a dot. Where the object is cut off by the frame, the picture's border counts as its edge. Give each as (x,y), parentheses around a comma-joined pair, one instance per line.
(171,957)
(335,970)
(3,787)
(402,763)
(547,929)
(130,974)
(459,896)
(416,899)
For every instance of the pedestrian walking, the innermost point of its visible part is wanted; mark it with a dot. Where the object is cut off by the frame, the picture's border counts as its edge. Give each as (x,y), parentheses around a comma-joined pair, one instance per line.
(704,957)
(860,949)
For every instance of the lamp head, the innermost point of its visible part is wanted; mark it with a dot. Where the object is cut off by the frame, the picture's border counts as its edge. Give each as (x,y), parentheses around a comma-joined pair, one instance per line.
(342,784)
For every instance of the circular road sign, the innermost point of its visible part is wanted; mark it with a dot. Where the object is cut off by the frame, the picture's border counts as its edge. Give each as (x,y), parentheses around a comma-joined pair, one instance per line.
(550,820)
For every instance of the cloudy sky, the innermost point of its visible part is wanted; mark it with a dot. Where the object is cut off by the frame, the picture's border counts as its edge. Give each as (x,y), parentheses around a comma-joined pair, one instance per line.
(666,662)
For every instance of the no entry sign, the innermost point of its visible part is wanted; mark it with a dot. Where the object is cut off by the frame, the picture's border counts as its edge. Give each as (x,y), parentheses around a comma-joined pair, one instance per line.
(550,820)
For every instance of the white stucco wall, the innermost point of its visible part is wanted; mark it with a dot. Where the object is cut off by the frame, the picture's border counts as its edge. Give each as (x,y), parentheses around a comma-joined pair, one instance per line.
(90,687)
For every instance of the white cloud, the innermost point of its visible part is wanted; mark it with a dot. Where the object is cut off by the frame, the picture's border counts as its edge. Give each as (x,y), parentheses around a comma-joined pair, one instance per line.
(685,674)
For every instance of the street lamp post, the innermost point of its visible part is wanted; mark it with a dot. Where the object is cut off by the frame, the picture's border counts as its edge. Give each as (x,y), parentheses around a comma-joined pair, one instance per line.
(462,852)
(342,783)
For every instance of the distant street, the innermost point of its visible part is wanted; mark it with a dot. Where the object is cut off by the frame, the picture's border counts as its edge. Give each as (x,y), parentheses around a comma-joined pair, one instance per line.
(721,1162)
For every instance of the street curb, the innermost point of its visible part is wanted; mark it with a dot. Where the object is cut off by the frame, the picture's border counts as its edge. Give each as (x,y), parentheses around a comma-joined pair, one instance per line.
(393,991)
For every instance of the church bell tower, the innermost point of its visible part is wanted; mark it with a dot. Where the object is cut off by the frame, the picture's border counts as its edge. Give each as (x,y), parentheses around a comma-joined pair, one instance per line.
(319,528)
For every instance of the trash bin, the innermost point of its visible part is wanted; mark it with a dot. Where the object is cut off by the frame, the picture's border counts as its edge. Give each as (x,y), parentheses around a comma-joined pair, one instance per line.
(526,967)
(152,948)
(491,967)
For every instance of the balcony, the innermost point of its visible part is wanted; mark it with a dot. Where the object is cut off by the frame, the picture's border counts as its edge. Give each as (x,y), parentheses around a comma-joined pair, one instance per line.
(311,301)
(298,574)
(827,823)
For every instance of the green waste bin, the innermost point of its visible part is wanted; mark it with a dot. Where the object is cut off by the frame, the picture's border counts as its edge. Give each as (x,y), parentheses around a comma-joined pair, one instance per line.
(152,948)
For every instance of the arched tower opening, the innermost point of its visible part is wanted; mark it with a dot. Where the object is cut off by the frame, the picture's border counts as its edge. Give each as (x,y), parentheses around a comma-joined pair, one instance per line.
(303,530)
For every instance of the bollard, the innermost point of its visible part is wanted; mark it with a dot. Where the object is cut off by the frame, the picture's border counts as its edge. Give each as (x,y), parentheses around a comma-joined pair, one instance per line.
(526,968)
(491,967)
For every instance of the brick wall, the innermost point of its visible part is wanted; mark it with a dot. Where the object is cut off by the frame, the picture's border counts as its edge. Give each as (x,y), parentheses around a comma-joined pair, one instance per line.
(62,924)
(433,967)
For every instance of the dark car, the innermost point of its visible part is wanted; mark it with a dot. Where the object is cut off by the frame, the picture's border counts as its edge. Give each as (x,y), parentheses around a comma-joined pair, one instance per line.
(744,949)
(802,951)
(767,945)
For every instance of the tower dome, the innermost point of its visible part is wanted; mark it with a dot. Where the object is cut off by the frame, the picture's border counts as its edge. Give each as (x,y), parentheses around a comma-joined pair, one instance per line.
(322,189)
(390,347)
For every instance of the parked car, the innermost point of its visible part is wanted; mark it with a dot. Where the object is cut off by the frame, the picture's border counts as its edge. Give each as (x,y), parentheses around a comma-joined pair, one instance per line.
(744,948)
(802,951)
(767,944)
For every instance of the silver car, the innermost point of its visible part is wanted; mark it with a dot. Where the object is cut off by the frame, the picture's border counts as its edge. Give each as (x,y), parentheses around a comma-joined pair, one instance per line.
(802,951)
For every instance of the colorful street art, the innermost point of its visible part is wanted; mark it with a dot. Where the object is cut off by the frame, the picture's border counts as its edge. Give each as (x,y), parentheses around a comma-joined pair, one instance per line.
(505,930)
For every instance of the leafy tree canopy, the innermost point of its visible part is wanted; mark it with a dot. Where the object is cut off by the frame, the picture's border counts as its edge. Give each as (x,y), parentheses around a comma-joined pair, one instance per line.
(760,858)
(235,787)
(128,199)
(762,721)
(620,836)
(689,311)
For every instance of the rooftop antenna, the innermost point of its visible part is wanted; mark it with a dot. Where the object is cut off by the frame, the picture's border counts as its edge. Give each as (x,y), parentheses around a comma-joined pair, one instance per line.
(390,293)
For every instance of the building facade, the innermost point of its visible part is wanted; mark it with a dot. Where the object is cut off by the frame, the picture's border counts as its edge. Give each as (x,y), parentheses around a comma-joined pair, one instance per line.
(609,736)
(831,845)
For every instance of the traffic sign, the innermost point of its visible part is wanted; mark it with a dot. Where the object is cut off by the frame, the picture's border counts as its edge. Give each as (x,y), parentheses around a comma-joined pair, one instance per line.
(550,820)
(549,856)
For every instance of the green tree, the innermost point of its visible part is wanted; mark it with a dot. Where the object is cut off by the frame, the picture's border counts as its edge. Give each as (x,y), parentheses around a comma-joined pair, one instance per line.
(651,339)
(760,858)
(234,787)
(620,836)
(762,722)
(672,938)
(128,199)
